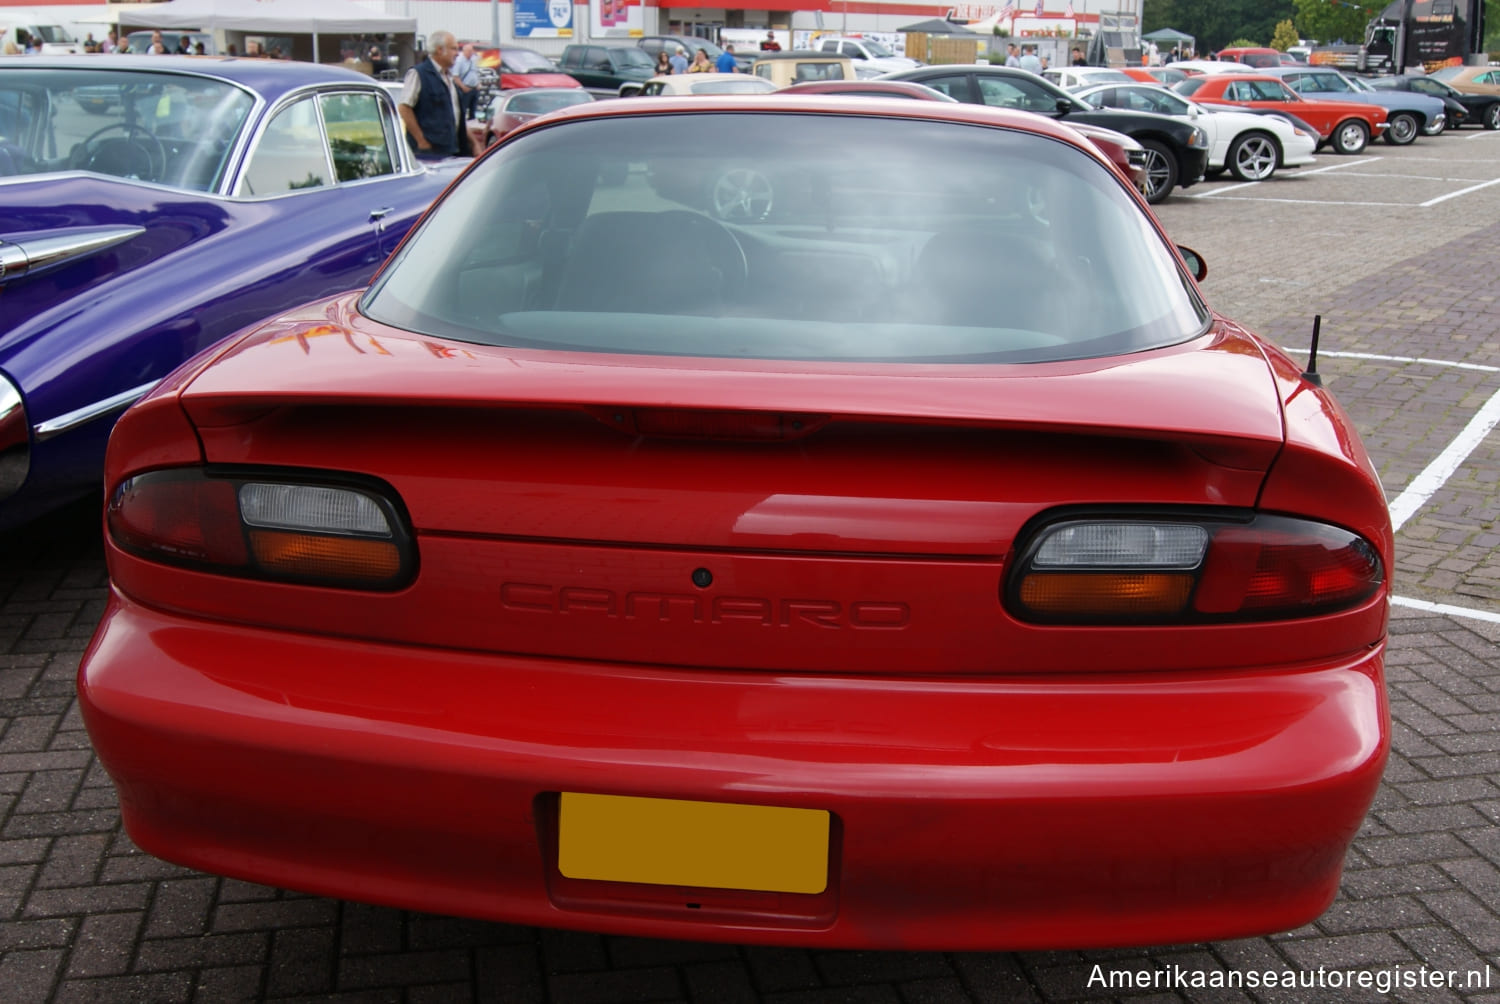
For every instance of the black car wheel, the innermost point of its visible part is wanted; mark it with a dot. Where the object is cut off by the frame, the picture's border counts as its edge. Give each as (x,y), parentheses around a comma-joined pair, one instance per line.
(1350,136)
(1402,129)
(1252,157)
(1492,116)
(1161,171)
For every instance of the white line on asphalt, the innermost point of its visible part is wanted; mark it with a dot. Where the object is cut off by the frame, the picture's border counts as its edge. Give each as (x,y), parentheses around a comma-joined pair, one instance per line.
(1226,188)
(1441,469)
(1337,167)
(1411,359)
(1445,608)
(1306,202)
(1454,160)
(1218,192)
(1461,191)
(1408,177)
(1485,134)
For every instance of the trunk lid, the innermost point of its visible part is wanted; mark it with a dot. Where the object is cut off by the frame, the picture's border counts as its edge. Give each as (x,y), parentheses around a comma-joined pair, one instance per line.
(871,537)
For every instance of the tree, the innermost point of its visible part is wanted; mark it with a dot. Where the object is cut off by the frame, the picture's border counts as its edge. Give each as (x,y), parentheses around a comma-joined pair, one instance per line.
(1285,36)
(1329,21)
(1214,23)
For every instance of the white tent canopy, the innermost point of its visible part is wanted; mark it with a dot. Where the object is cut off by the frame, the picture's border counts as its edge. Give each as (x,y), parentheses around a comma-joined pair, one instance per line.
(297,17)
(314,18)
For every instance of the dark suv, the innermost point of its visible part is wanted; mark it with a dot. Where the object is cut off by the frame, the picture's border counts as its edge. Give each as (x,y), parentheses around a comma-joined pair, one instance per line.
(601,69)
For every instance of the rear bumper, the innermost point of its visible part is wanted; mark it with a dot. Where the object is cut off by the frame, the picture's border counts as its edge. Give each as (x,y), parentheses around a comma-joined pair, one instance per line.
(967,814)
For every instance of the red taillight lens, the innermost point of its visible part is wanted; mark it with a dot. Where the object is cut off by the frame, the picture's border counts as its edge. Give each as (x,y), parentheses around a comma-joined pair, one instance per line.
(1186,570)
(178,517)
(270,527)
(1286,567)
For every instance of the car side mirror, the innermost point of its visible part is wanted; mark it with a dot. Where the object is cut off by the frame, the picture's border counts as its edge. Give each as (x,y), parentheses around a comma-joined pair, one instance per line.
(1064,106)
(1194,262)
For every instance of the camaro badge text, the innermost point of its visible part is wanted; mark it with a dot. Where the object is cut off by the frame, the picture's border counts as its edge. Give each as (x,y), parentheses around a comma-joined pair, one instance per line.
(858,615)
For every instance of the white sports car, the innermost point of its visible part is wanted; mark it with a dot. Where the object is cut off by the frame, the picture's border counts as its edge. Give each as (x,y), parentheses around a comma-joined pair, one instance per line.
(1248,145)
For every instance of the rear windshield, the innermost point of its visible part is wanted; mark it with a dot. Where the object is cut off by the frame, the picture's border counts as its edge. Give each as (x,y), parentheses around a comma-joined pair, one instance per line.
(791,236)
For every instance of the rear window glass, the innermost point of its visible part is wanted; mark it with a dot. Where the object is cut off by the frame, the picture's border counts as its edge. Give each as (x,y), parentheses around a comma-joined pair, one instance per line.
(772,236)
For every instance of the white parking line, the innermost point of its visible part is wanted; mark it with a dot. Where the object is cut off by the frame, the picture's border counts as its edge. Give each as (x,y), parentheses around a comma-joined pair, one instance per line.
(1407,177)
(1409,359)
(1441,469)
(1305,202)
(1486,134)
(1446,609)
(1461,191)
(1338,167)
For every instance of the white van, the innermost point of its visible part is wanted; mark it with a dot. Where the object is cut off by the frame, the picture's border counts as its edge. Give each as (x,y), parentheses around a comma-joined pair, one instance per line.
(18,23)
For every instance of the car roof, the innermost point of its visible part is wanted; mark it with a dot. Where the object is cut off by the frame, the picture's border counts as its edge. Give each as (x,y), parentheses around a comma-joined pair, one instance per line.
(803,54)
(268,77)
(772,103)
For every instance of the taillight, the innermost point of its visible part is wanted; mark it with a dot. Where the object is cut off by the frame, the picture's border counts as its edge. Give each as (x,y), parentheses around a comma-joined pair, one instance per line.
(349,535)
(1122,569)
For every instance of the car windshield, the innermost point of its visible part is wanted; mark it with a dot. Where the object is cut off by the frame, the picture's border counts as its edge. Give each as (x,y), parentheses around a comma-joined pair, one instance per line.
(525,61)
(1447,73)
(739,85)
(877,50)
(792,236)
(175,129)
(53,34)
(532,103)
(1107,76)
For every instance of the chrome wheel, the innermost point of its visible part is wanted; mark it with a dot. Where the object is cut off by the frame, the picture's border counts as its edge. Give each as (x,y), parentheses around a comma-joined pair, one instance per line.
(1492,116)
(1401,130)
(1161,172)
(1351,136)
(1253,157)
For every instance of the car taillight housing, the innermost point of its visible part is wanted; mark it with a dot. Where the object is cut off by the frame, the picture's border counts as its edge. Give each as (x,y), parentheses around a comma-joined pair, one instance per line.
(1116,569)
(301,528)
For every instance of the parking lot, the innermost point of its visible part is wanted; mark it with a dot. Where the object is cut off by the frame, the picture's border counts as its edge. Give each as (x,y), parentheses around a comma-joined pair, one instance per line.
(1396,249)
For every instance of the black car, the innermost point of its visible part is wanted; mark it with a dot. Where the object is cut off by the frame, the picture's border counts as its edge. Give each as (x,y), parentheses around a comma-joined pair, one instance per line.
(1176,152)
(1463,109)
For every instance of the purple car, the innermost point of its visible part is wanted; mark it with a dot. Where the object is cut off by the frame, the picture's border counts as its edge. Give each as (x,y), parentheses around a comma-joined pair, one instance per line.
(149,208)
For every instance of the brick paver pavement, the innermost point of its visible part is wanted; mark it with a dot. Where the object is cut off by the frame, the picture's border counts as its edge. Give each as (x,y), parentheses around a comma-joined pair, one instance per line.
(85,916)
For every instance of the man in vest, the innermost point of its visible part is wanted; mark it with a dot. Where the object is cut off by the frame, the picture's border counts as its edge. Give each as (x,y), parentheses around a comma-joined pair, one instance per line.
(429,102)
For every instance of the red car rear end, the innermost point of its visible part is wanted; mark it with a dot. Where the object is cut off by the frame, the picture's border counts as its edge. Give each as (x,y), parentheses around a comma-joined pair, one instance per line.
(639,565)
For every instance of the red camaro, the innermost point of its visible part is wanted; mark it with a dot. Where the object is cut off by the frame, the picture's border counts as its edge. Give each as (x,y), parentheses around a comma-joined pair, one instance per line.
(1346,126)
(837,522)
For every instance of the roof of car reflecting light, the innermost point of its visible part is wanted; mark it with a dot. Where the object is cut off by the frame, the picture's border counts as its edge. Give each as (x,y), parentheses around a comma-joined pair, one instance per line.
(268,77)
(822,104)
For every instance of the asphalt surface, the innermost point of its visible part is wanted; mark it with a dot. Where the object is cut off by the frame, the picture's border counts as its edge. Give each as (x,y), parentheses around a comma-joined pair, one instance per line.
(1397,249)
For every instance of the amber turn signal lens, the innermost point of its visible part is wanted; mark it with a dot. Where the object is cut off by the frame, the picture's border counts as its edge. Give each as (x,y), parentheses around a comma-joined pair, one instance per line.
(1107,594)
(351,559)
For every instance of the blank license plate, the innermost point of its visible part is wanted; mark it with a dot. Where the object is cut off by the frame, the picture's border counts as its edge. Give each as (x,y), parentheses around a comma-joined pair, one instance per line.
(716,845)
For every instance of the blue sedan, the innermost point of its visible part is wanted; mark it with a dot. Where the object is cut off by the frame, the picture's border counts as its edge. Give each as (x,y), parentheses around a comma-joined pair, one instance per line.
(150,206)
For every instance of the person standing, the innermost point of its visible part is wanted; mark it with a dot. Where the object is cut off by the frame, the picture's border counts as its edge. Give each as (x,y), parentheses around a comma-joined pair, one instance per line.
(663,64)
(429,102)
(466,78)
(679,60)
(1078,59)
(701,63)
(725,63)
(769,44)
(1012,55)
(1029,61)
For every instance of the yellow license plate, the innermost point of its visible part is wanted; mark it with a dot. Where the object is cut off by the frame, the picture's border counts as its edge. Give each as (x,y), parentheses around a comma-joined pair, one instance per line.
(716,845)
